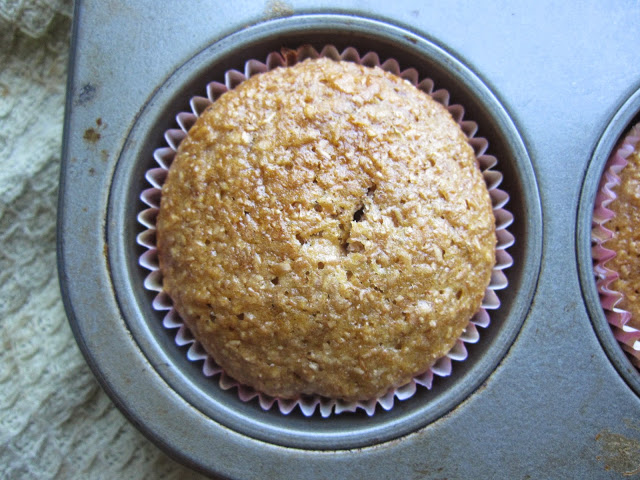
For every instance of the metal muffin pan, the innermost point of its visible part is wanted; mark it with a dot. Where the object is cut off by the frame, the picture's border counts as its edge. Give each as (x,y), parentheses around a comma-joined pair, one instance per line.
(499,406)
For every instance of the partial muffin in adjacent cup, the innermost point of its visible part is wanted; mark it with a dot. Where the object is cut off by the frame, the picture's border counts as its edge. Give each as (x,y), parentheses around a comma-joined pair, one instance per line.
(617,242)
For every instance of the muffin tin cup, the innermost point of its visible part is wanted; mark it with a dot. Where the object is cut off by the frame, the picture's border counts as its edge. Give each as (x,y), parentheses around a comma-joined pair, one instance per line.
(310,405)
(619,340)
(136,358)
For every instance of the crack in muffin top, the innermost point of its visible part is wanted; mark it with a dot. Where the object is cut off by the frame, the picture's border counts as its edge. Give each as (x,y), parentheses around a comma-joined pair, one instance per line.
(324,229)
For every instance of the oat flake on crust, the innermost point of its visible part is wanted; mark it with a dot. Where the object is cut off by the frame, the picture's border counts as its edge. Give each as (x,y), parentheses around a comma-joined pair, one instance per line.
(324,229)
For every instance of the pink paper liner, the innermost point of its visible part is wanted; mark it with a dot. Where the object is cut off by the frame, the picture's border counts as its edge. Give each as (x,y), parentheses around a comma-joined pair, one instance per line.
(618,318)
(310,404)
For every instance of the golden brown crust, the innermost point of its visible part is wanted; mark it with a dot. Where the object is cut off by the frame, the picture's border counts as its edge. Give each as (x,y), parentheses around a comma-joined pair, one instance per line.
(626,238)
(324,229)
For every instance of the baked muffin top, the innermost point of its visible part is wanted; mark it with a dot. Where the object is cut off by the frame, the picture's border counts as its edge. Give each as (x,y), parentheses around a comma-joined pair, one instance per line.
(324,229)
(626,238)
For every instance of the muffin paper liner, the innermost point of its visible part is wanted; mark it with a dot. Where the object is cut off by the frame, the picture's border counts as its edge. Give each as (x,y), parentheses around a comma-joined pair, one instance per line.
(618,318)
(309,404)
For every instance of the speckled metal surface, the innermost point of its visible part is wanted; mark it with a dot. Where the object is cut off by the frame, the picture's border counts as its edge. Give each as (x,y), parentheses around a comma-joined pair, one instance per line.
(541,396)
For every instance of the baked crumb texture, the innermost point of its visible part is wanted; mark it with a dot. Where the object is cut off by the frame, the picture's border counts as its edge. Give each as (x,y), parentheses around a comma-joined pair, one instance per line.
(325,230)
(617,243)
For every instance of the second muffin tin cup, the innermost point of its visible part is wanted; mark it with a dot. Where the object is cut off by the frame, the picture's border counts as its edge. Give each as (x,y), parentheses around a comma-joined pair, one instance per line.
(607,320)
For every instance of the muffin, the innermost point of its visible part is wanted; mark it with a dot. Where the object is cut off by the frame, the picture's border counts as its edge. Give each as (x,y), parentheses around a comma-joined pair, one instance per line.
(617,243)
(324,229)
(626,238)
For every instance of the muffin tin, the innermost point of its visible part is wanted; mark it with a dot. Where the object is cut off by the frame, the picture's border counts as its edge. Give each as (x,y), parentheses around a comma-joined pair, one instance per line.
(538,390)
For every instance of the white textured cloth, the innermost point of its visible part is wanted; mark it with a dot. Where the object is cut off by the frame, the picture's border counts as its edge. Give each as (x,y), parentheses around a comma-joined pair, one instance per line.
(55,421)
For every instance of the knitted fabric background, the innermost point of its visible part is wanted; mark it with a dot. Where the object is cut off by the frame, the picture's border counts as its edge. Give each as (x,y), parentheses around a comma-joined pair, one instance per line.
(55,421)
